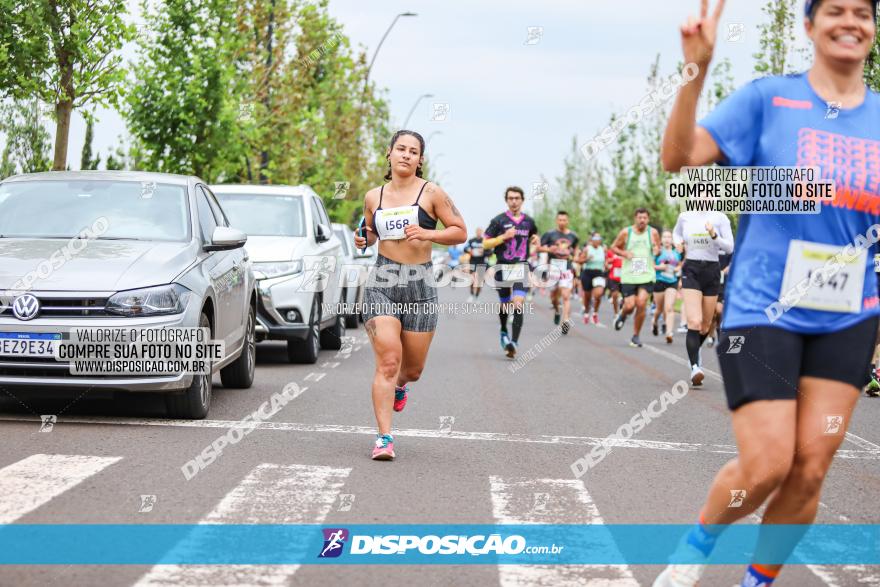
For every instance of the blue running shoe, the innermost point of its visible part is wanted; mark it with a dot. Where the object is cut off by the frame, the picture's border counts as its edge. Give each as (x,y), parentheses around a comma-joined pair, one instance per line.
(505,340)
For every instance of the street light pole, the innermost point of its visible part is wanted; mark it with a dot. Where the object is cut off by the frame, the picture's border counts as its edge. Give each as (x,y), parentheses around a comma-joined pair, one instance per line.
(373,60)
(379,46)
(431,136)
(413,109)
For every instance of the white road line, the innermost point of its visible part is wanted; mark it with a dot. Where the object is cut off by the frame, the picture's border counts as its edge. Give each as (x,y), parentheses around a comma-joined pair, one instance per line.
(861,442)
(314,376)
(32,482)
(412,433)
(417,433)
(329,365)
(857,440)
(551,501)
(269,494)
(681,361)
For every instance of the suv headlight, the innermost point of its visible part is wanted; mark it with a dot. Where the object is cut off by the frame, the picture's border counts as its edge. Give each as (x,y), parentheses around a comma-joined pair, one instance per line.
(277,269)
(149,301)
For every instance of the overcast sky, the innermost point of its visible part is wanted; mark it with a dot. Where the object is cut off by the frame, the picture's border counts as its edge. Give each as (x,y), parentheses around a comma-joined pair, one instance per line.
(513,104)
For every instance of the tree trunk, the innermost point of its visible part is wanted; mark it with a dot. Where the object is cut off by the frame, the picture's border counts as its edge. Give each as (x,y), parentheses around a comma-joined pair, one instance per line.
(63,111)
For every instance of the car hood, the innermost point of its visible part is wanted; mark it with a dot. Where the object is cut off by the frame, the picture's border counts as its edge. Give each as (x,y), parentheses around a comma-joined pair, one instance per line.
(262,249)
(102,265)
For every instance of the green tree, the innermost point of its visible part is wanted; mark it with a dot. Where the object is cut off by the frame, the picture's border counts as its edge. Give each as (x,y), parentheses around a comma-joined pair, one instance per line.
(257,91)
(183,106)
(27,147)
(570,192)
(64,53)
(270,24)
(619,191)
(323,126)
(635,176)
(872,66)
(650,140)
(7,165)
(777,38)
(722,83)
(86,160)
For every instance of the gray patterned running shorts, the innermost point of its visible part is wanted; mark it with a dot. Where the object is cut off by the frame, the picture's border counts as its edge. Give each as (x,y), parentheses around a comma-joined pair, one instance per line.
(406,292)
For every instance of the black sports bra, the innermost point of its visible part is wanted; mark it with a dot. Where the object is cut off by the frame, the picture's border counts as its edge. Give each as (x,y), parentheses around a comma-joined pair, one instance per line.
(426,221)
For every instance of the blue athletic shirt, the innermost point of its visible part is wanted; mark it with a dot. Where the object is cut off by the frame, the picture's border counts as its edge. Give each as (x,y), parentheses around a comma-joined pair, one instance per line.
(781,121)
(670,257)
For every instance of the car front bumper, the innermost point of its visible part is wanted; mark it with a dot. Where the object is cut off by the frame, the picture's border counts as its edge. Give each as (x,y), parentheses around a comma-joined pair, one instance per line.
(32,373)
(276,298)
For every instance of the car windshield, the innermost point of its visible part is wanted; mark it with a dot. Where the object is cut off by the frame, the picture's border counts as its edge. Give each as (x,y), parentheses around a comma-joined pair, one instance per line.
(127,210)
(264,215)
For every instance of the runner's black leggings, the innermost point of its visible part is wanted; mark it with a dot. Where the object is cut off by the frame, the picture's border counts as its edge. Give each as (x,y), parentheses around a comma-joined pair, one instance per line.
(517,321)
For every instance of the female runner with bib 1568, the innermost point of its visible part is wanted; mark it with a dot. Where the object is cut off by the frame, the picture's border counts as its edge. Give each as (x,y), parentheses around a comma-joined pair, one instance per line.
(793,363)
(400,312)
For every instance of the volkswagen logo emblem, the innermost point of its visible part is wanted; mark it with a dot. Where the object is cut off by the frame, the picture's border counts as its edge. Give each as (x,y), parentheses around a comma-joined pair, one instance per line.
(26,307)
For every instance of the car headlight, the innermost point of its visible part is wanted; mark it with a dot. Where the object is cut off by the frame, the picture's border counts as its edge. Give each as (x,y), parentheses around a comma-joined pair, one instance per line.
(149,301)
(277,269)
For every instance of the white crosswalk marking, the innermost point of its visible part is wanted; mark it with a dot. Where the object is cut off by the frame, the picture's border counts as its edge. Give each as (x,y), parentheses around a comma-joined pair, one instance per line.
(270,494)
(34,481)
(551,501)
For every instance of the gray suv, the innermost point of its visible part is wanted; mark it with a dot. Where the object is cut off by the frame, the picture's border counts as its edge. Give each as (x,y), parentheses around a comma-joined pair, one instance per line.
(158,252)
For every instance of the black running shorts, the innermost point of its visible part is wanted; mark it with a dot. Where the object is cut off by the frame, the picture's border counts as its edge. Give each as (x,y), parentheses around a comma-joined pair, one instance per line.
(765,362)
(631,289)
(704,276)
(588,275)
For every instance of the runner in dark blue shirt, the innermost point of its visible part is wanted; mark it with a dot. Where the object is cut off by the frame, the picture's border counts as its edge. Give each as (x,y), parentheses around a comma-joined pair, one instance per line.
(510,234)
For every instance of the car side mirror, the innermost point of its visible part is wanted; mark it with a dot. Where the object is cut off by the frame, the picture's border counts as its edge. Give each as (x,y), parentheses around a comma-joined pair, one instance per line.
(226,239)
(322,233)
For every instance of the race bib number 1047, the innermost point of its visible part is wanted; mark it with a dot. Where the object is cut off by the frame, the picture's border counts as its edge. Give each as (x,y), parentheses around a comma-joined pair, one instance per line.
(839,291)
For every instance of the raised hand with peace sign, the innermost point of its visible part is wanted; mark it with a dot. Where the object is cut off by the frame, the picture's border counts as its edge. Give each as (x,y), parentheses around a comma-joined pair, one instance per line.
(698,34)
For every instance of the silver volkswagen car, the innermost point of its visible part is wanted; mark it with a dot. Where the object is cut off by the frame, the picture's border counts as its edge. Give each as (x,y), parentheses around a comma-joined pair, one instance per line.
(121,249)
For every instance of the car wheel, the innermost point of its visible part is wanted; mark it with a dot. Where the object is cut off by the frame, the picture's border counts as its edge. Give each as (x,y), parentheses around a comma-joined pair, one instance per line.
(331,338)
(193,402)
(306,351)
(240,373)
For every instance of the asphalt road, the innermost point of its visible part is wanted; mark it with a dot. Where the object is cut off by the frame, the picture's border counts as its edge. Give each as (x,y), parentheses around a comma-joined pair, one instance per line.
(477,444)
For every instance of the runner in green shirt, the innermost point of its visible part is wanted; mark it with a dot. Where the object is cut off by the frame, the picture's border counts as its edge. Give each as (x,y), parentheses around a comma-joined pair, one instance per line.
(638,245)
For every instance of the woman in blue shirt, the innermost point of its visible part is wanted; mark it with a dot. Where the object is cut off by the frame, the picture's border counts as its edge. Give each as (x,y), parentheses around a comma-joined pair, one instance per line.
(797,333)
(668,266)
